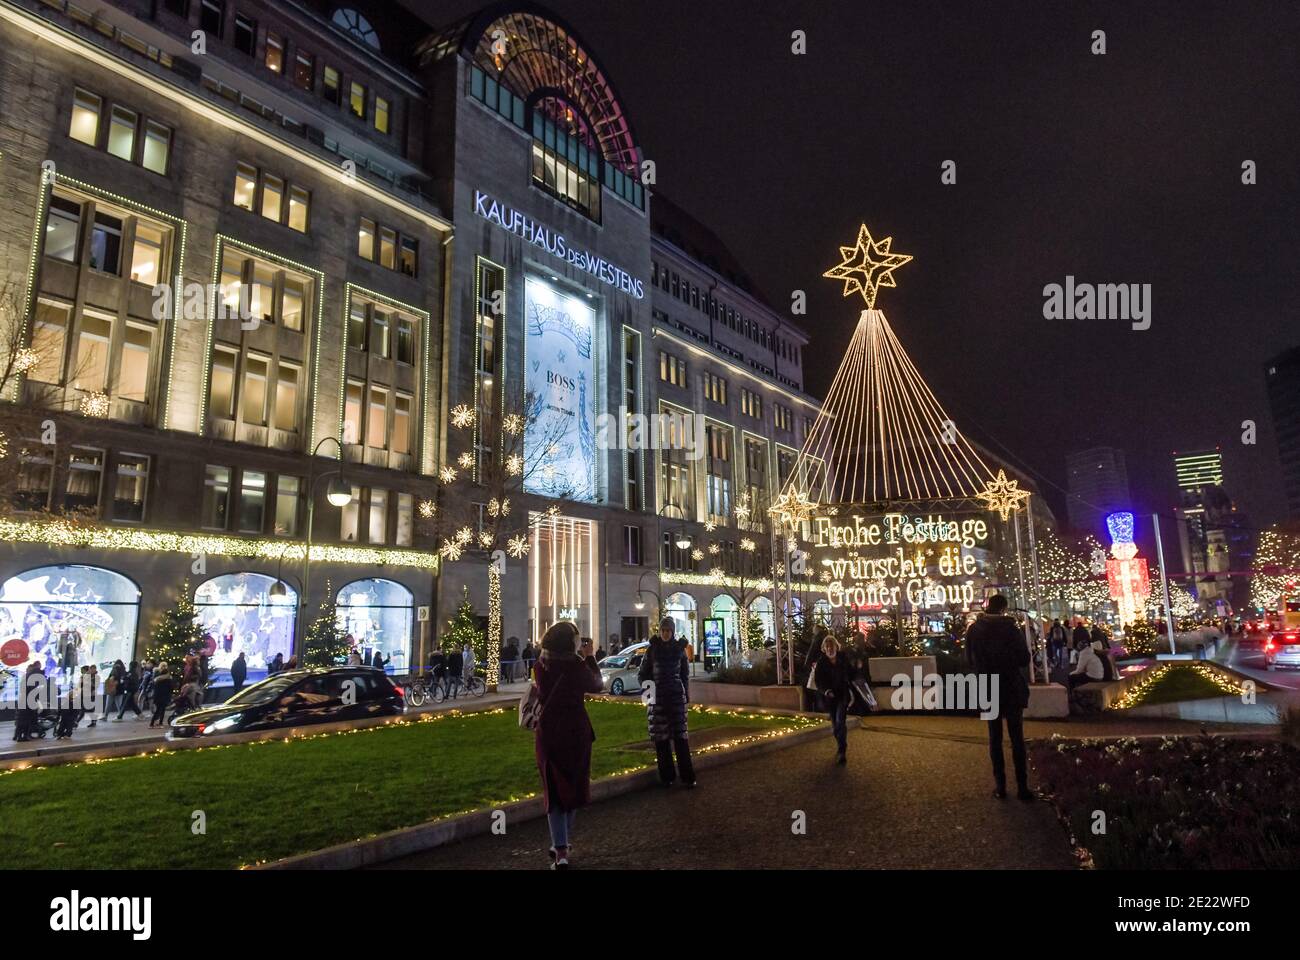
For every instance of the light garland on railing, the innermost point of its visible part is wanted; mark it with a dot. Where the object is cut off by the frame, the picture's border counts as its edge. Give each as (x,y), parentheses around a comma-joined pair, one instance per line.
(58,533)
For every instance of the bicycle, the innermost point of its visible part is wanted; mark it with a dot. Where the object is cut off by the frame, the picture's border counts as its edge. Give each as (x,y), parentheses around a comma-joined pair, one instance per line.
(475,686)
(420,690)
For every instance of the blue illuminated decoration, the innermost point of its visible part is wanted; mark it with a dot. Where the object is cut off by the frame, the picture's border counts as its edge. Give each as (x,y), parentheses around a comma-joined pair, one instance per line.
(1120,526)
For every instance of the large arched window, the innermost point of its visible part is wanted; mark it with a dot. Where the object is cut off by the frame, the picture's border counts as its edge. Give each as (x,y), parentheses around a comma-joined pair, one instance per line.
(239,615)
(377,615)
(354,23)
(725,608)
(66,617)
(681,607)
(761,607)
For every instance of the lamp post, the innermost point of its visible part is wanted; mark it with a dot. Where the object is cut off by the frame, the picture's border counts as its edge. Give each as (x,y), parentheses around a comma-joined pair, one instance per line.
(339,494)
(640,601)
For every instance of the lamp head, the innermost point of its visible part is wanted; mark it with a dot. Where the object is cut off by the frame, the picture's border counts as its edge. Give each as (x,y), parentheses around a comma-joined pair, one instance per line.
(683,541)
(278,589)
(339,492)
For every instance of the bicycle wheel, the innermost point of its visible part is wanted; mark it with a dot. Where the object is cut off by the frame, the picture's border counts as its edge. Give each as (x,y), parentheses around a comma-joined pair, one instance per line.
(416,696)
(477,686)
(438,691)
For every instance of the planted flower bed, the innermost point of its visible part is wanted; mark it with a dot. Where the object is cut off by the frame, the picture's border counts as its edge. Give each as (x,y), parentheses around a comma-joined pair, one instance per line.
(1177,803)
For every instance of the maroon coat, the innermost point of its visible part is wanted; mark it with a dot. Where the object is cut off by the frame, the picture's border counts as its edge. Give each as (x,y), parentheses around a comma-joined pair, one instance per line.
(564,733)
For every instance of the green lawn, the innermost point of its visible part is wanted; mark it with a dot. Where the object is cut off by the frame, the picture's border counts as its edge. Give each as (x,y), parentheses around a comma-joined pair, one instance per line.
(1180,683)
(264,801)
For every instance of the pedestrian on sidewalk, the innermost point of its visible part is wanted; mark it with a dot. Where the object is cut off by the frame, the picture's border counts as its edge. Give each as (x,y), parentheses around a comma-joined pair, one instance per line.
(529,656)
(996,648)
(833,675)
(1056,642)
(113,687)
(25,716)
(564,735)
(93,684)
(130,687)
(162,695)
(665,666)
(239,671)
(455,672)
(467,660)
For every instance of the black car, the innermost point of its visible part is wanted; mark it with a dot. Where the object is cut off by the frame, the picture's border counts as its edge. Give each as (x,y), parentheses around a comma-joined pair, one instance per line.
(297,698)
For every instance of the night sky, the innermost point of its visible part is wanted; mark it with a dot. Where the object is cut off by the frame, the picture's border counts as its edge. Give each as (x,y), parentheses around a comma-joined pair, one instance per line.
(1123,168)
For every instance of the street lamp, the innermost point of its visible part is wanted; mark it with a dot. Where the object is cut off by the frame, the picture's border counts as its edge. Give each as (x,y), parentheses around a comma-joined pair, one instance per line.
(339,494)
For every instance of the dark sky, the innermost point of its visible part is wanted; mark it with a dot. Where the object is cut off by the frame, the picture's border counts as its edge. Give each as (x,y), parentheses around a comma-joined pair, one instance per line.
(1123,168)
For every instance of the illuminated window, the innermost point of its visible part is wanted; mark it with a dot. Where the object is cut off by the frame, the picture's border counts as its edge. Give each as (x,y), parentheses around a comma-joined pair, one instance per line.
(352,412)
(157,147)
(49,335)
(402,424)
(357,327)
(253,407)
(121,133)
(35,477)
(387,248)
(272,197)
(381,114)
(304,70)
(131,487)
(350,518)
(85,479)
(262,291)
(286,396)
(406,340)
(377,419)
(299,203)
(274,53)
(147,254)
(252,501)
(357,99)
(223,383)
(378,516)
(293,302)
(245,185)
(216,497)
(287,496)
(672,369)
(380,339)
(91,368)
(366,239)
(63,229)
(405,528)
(133,372)
(331,86)
(86,109)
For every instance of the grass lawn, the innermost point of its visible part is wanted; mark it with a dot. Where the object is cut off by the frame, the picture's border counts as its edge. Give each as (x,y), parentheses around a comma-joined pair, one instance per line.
(264,801)
(1179,683)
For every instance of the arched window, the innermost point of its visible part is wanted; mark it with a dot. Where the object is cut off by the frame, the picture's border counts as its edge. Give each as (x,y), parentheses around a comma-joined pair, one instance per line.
(357,25)
(66,617)
(681,607)
(239,615)
(761,607)
(377,615)
(725,608)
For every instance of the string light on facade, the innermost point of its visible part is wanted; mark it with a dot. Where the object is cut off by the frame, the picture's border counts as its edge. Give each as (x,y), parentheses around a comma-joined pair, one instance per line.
(1003,495)
(96,405)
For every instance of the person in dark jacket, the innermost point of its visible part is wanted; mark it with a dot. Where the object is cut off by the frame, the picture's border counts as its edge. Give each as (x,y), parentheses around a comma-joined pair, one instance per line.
(1099,638)
(239,671)
(996,647)
(276,665)
(1080,634)
(28,702)
(163,685)
(455,672)
(564,735)
(379,661)
(666,666)
(129,690)
(833,675)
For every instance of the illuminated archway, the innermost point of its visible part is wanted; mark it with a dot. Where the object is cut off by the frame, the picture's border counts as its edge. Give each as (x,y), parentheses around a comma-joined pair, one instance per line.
(681,607)
(239,615)
(378,615)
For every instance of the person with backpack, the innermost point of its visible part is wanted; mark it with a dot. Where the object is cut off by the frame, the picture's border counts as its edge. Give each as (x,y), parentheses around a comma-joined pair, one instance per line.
(563,736)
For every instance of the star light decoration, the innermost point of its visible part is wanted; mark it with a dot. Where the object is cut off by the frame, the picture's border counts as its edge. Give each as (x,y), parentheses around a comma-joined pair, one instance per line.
(1003,495)
(867,267)
(462,417)
(792,509)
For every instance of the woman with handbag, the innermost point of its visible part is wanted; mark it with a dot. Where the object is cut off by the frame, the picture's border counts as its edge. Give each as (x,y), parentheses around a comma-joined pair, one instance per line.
(564,675)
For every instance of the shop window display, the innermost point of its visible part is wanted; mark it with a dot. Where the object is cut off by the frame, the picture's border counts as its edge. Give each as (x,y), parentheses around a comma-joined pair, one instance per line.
(376,615)
(238,615)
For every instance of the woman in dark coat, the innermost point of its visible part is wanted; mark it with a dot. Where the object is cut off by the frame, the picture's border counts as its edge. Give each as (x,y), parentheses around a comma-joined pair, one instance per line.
(833,676)
(665,665)
(564,733)
(162,695)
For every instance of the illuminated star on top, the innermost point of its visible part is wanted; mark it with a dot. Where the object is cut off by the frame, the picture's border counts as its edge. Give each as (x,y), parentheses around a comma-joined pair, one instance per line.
(1003,495)
(867,267)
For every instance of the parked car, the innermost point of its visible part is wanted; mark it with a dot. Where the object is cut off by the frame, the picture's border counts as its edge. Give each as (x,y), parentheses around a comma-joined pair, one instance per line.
(618,672)
(1283,649)
(294,699)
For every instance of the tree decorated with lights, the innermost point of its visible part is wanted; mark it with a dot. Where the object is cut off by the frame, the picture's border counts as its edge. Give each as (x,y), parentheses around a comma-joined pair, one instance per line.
(463,628)
(326,642)
(178,632)
(1278,561)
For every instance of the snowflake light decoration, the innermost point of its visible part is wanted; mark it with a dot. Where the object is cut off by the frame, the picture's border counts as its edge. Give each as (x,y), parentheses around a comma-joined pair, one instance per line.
(462,417)
(466,461)
(518,547)
(95,405)
(428,509)
(447,475)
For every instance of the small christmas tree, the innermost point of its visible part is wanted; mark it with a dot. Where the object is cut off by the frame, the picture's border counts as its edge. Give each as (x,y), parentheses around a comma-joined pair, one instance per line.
(463,628)
(177,634)
(755,636)
(326,643)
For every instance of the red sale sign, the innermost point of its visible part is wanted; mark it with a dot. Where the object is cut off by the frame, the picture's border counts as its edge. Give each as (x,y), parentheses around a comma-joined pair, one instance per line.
(13,652)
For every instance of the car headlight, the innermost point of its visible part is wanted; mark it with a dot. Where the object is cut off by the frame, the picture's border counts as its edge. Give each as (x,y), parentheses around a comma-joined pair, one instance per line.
(225,723)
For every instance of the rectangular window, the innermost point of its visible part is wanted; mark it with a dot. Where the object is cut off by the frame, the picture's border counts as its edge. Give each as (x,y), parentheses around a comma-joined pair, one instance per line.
(157,146)
(131,487)
(216,497)
(299,205)
(632,545)
(286,397)
(410,256)
(357,327)
(304,70)
(106,244)
(402,423)
(387,248)
(254,400)
(366,239)
(147,254)
(63,229)
(92,353)
(405,340)
(286,506)
(252,501)
(35,477)
(223,383)
(261,292)
(86,108)
(293,302)
(274,53)
(212,17)
(331,86)
(378,516)
(245,34)
(121,133)
(381,114)
(352,412)
(272,197)
(377,419)
(85,479)
(133,374)
(380,345)
(49,335)
(405,518)
(350,518)
(245,185)
(357,99)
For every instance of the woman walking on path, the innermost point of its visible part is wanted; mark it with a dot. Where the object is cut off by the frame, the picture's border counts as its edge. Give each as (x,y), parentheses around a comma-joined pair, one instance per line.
(666,667)
(564,733)
(162,695)
(834,678)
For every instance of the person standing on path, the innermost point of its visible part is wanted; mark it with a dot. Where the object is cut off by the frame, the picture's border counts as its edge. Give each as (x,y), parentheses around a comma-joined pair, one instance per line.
(455,672)
(564,735)
(833,674)
(162,695)
(665,666)
(996,648)
(128,691)
(239,671)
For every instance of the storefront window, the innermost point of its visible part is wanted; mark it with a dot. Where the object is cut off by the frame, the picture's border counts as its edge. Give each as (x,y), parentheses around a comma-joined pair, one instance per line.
(239,615)
(681,607)
(376,614)
(562,574)
(68,617)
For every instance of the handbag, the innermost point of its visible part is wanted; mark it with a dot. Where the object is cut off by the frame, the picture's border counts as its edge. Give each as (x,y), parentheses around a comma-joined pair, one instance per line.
(531,705)
(811,682)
